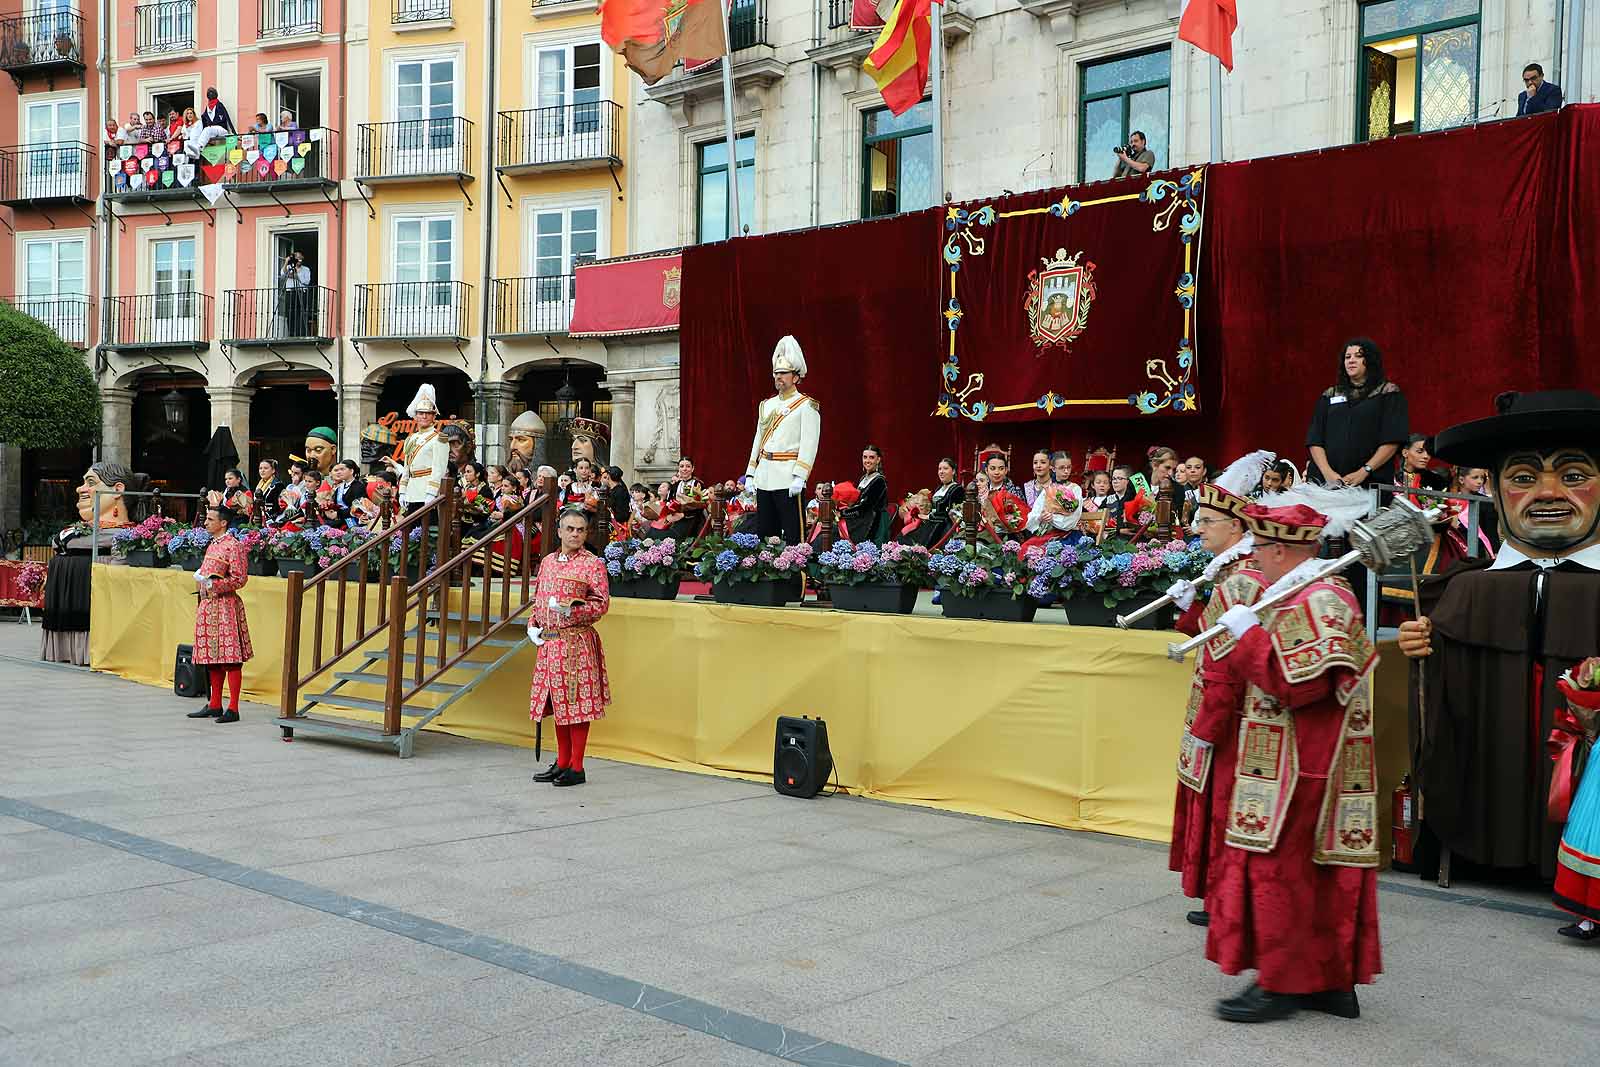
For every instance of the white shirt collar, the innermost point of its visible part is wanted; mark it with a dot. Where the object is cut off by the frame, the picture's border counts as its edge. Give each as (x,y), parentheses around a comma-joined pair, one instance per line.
(1509,556)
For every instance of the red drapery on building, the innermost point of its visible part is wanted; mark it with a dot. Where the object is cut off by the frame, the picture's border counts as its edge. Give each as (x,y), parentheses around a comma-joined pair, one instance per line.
(618,297)
(1470,256)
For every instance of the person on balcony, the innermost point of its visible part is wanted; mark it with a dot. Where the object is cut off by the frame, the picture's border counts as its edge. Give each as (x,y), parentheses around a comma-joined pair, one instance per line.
(215,114)
(294,279)
(115,135)
(174,129)
(260,125)
(286,120)
(132,130)
(196,134)
(150,131)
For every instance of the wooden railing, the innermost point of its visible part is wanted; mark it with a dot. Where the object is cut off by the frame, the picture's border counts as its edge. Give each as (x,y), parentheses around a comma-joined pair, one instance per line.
(434,523)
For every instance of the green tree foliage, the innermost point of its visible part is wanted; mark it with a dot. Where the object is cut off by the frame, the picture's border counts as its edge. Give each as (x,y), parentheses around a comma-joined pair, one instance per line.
(48,397)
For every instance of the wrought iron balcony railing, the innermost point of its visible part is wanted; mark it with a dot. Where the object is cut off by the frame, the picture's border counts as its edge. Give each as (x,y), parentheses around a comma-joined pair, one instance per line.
(567,135)
(404,11)
(531,307)
(44,172)
(41,42)
(266,161)
(397,311)
(177,318)
(747,23)
(417,148)
(67,314)
(169,26)
(287,18)
(280,316)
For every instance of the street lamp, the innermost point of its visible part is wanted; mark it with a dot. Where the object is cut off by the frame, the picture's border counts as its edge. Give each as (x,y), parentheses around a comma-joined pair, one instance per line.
(176,409)
(567,406)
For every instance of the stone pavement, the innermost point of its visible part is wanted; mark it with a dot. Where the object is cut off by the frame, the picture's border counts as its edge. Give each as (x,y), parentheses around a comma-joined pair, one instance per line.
(180,892)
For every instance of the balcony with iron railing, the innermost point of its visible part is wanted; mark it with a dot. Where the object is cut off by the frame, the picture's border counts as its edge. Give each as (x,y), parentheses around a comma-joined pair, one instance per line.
(265,317)
(157,171)
(838,45)
(564,137)
(414,150)
(412,12)
(57,172)
(67,314)
(47,43)
(168,28)
(531,307)
(278,161)
(755,61)
(178,318)
(285,20)
(412,311)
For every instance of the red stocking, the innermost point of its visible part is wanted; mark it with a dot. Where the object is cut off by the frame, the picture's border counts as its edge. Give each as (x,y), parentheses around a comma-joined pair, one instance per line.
(235,681)
(215,674)
(563,745)
(580,741)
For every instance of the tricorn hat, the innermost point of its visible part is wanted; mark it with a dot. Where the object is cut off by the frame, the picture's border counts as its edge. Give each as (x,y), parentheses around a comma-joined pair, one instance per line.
(1523,420)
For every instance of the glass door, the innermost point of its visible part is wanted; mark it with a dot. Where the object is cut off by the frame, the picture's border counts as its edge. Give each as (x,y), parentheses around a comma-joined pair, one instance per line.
(54,289)
(44,30)
(568,98)
(424,260)
(562,238)
(425,98)
(53,164)
(173,313)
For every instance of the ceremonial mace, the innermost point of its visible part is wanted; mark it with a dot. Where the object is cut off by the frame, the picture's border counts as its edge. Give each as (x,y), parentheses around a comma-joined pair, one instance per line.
(1390,535)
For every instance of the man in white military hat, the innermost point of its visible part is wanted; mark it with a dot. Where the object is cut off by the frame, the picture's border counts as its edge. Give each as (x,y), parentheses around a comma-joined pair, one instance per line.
(426,453)
(788,428)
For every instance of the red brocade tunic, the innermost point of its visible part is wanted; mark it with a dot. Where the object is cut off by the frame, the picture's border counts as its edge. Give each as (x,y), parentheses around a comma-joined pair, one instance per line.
(221,633)
(1200,810)
(1295,892)
(569,679)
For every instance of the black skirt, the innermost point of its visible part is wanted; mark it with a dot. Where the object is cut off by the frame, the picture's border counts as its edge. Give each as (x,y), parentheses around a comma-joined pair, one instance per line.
(66,592)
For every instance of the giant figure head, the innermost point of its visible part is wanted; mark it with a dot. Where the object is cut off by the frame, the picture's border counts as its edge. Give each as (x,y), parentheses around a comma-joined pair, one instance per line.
(1544,452)
(320,444)
(463,444)
(113,509)
(590,440)
(527,430)
(377,441)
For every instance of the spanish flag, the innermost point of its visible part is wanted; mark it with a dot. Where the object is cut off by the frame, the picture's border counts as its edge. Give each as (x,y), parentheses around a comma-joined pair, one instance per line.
(898,61)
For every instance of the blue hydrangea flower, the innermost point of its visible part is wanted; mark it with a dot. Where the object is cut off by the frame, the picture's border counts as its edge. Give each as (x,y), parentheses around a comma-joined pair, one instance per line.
(744,540)
(728,559)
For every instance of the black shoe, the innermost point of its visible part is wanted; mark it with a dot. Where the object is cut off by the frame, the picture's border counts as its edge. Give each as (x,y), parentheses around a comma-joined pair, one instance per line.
(1340,1002)
(568,776)
(204,713)
(1256,1005)
(549,773)
(1199,918)
(228,716)
(1576,930)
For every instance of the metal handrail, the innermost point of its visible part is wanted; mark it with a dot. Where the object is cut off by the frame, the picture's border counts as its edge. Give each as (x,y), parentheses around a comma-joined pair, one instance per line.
(532,306)
(315,150)
(51,170)
(562,133)
(287,18)
(138,320)
(415,148)
(28,41)
(168,26)
(404,11)
(59,312)
(412,309)
(274,314)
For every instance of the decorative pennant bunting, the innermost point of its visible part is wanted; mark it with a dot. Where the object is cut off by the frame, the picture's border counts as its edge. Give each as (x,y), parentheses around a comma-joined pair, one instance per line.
(263,168)
(230,172)
(270,150)
(297,164)
(236,156)
(214,153)
(166,178)
(280,167)
(141,150)
(185,174)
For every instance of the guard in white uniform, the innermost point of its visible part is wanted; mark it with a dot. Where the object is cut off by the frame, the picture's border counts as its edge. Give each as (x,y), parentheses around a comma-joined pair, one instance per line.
(788,428)
(426,453)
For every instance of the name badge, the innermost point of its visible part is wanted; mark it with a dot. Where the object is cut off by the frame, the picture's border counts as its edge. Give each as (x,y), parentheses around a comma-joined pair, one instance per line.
(1336,399)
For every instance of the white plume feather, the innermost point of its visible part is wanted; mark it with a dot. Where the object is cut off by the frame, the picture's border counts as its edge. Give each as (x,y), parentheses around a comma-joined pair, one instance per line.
(1244,474)
(1342,507)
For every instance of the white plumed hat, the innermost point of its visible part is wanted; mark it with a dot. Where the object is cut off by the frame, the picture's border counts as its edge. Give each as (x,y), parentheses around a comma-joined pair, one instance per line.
(425,400)
(787,356)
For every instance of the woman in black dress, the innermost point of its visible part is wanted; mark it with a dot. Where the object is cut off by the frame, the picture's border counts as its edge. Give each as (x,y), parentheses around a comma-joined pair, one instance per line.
(863,518)
(1360,424)
(268,488)
(942,515)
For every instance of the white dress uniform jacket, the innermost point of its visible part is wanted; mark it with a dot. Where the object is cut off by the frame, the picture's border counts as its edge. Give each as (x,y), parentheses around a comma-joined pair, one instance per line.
(426,458)
(785,447)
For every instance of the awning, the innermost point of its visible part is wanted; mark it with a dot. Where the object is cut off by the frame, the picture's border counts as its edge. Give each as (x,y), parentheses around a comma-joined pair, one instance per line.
(622,297)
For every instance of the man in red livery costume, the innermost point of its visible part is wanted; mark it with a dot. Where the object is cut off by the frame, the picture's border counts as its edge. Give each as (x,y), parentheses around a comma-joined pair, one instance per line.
(221,631)
(1295,892)
(1210,727)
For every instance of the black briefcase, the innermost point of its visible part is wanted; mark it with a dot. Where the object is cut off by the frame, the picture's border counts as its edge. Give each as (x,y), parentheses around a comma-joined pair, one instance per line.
(187,679)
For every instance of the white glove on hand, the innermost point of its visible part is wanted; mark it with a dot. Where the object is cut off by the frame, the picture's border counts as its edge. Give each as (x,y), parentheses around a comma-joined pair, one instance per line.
(535,634)
(1182,593)
(1240,620)
(797,487)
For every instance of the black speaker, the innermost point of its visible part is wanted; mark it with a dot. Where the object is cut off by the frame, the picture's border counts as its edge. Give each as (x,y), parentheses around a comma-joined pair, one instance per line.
(187,679)
(801,762)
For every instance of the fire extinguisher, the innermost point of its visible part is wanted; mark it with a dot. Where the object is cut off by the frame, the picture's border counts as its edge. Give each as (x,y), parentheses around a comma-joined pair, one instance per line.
(1403,825)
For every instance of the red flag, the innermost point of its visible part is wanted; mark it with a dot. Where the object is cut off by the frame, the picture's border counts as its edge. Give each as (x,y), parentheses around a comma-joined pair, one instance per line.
(1209,26)
(899,59)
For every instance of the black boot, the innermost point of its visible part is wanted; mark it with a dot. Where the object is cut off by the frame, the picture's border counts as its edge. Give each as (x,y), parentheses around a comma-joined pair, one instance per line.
(549,773)
(568,776)
(1199,918)
(231,715)
(1340,1002)
(1576,930)
(1256,1005)
(204,713)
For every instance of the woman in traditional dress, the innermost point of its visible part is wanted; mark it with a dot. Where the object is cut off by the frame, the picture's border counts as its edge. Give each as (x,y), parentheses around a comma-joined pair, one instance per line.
(1577,888)
(221,632)
(1004,509)
(235,500)
(1055,516)
(866,514)
(569,678)
(940,520)
(1043,476)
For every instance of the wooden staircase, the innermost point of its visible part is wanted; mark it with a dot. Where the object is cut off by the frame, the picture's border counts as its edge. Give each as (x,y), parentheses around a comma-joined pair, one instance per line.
(433,639)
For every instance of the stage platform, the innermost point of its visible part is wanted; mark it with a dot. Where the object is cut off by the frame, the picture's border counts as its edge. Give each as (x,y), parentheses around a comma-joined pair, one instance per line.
(1075,727)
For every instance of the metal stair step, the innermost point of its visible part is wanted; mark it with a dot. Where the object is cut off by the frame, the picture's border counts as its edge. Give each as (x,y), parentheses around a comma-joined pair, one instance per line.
(324,726)
(379,679)
(497,642)
(340,700)
(410,657)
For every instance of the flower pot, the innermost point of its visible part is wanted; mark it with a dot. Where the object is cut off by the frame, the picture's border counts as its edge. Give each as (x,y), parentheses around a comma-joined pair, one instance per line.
(1091,611)
(644,588)
(189,562)
(889,598)
(997,607)
(765,594)
(142,557)
(287,567)
(263,568)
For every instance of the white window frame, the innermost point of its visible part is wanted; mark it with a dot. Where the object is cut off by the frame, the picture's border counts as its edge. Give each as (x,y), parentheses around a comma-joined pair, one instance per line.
(445,320)
(66,323)
(268,75)
(446,159)
(50,181)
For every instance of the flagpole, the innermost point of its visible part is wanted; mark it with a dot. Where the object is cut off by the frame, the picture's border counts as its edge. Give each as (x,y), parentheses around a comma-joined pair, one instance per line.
(734,229)
(1216,110)
(936,78)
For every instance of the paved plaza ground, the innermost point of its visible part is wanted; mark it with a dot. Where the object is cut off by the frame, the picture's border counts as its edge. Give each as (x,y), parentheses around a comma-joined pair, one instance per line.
(181,892)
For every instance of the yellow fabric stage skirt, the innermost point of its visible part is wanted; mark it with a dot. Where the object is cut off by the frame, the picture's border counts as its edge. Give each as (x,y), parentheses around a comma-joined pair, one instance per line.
(1076,727)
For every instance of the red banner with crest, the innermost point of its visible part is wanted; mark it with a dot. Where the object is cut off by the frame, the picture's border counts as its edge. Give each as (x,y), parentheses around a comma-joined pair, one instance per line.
(618,297)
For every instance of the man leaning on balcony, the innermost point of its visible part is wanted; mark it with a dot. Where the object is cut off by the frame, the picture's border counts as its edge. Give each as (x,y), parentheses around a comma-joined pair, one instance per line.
(1540,95)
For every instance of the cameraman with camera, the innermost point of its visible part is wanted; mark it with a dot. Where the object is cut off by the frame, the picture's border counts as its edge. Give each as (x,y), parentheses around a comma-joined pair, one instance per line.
(1133,157)
(294,278)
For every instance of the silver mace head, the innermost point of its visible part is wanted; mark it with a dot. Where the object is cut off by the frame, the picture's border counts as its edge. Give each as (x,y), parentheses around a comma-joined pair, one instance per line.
(1393,533)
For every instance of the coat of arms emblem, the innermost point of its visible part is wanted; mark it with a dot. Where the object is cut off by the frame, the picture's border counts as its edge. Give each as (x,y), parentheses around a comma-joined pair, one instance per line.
(1059,296)
(671,286)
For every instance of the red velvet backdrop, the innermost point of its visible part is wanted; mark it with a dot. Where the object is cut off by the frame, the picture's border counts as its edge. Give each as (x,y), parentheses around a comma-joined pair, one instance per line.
(1472,257)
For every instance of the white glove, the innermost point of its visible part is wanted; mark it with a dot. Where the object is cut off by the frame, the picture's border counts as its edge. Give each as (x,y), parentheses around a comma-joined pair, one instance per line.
(1182,593)
(797,487)
(535,633)
(744,482)
(1240,620)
